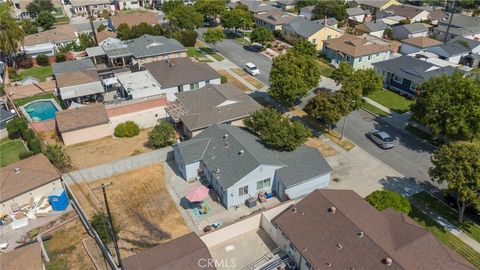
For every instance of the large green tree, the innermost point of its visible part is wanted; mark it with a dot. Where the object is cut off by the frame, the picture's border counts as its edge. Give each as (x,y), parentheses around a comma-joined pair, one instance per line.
(45,20)
(292,76)
(262,36)
(458,164)
(185,17)
(169,6)
(368,80)
(343,73)
(449,106)
(330,8)
(11,34)
(305,47)
(276,130)
(37,6)
(326,107)
(213,36)
(236,18)
(162,134)
(210,8)
(29,26)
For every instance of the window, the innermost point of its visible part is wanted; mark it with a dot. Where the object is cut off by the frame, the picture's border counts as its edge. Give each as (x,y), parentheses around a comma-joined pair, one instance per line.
(194,86)
(348,58)
(329,36)
(413,86)
(397,79)
(360,59)
(243,191)
(207,81)
(180,88)
(314,41)
(369,57)
(265,183)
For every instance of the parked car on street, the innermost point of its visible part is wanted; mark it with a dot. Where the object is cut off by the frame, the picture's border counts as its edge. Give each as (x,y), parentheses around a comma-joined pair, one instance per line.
(382,139)
(252,69)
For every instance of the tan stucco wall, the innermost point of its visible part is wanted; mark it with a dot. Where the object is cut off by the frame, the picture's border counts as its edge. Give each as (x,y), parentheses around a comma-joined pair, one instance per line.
(144,119)
(86,134)
(22,199)
(322,35)
(142,61)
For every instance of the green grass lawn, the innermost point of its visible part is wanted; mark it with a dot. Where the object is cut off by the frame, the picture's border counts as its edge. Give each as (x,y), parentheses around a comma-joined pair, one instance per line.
(193,52)
(40,73)
(468,226)
(446,237)
(392,100)
(58,11)
(212,53)
(23,101)
(325,69)
(10,150)
(370,108)
(62,20)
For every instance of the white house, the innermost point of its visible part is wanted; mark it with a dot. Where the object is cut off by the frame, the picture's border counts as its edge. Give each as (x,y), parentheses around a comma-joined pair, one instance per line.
(80,7)
(412,30)
(412,46)
(239,167)
(48,42)
(356,14)
(414,14)
(456,49)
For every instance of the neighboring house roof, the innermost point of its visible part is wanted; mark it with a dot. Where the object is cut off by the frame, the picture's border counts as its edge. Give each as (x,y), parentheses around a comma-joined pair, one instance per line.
(392,20)
(372,26)
(134,18)
(33,172)
(148,45)
(376,3)
(307,9)
(180,71)
(458,46)
(104,34)
(303,27)
(95,51)
(58,34)
(257,6)
(461,25)
(29,257)
(71,66)
(354,235)
(77,78)
(287,2)
(437,15)
(275,17)
(79,3)
(413,69)
(185,252)
(81,117)
(354,11)
(139,83)
(413,28)
(422,42)
(405,11)
(5,114)
(213,104)
(356,45)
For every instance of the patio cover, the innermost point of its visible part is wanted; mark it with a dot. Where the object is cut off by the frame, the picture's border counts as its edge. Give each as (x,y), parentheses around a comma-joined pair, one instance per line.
(110,81)
(95,51)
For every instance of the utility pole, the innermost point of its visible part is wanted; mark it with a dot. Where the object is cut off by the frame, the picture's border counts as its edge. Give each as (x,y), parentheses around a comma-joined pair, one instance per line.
(90,19)
(452,10)
(110,221)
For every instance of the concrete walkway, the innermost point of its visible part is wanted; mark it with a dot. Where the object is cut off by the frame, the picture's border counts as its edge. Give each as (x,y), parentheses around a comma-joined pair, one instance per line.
(395,119)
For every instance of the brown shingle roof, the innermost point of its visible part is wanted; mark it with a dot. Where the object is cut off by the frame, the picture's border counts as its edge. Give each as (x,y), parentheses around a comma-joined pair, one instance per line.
(102,35)
(134,18)
(180,71)
(25,258)
(422,42)
(355,45)
(405,11)
(186,252)
(61,33)
(275,17)
(77,78)
(357,236)
(35,172)
(81,117)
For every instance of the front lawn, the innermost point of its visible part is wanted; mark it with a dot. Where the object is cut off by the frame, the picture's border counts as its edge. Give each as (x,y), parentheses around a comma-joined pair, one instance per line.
(212,53)
(23,101)
(193,52)
(391,100)
(325,69)
(372,109)
(10,149)
(468,226)
(40,73)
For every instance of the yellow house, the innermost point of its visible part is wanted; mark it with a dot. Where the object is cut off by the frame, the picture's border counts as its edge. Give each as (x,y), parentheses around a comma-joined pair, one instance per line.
(314,31)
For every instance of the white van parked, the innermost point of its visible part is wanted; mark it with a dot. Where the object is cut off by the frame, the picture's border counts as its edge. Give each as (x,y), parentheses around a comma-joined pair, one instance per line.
(252,69)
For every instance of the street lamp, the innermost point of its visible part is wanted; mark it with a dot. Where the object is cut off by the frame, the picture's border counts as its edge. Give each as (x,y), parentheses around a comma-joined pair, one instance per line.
(345,121)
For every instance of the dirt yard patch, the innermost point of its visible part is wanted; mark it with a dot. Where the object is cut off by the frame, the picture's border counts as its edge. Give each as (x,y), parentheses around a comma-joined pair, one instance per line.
(325,149)
(107,149)
(234,80)
(250,79)
(141,207)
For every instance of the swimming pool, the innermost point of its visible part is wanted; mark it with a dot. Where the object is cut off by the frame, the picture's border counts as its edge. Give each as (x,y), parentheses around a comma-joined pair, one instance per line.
(40,110)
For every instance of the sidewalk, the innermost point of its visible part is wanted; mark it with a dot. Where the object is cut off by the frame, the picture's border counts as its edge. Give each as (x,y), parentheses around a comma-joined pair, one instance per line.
(395,119)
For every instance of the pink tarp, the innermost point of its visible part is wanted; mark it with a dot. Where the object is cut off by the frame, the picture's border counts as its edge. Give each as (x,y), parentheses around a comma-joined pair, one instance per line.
(197,194)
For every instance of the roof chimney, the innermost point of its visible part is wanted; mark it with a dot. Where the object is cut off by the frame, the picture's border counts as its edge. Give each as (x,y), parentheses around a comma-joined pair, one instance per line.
(17,170)
(332,209)
(388,261)
(325,21)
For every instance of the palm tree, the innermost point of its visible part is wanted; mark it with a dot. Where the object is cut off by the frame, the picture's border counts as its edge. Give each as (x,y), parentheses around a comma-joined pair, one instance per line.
(11,35)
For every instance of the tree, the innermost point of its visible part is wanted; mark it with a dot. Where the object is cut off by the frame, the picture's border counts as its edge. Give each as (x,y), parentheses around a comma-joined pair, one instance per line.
(16,126)
(124,31)
(29,26)
(85,41)
(383,199)
(213,35)
(45,19)
(188,38)
(343,73)
(449,106)
(185,17)
(292,76)
(458,164)
(42,60)
(99,222)
(330,8)
(169,6)
(236,18)
(210,8)
(277,131)
(37,6)
(404,21)
(58,157)
(11,34)
(370,81)
(262,36)
(163,134)
(326,107)
(305,47)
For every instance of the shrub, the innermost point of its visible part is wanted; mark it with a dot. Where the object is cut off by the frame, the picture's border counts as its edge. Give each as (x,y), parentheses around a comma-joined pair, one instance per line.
(25,154)
(186,37)
(24,61)
(12,74)
(127,129)
(163,134)
(99,222)
(60,57)
(28,134)
(223,79)
(58,157)
(101,27)
(16,126)
(382,199)
(42,60)
(136,152)
(34,145)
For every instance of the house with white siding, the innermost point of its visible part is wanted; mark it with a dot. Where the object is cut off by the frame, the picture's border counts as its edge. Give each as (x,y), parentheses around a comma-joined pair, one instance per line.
(238,166)
(456,49)
(412,30)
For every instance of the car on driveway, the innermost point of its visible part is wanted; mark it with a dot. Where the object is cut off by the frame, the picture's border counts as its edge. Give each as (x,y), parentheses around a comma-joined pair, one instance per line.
(382,139)
(252,69)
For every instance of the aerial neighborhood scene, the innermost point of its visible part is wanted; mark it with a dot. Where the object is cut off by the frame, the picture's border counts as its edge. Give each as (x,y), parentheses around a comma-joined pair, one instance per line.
(239,134)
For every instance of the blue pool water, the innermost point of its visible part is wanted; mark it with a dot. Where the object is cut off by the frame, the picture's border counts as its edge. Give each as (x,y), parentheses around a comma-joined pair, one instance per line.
(41,110)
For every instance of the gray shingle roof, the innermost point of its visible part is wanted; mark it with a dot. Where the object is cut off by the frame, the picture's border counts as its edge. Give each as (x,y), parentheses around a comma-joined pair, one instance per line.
(376,26)
(415,27)
(224,143)
(302,27)
(71,66)
(413,69)
(257,6)
(355,11)
(148,45)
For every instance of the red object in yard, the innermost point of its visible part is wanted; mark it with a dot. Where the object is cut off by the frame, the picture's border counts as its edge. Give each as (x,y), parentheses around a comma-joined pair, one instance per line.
(197,194)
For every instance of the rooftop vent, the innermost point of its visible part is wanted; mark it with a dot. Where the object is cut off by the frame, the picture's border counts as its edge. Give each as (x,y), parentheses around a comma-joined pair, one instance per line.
(225,136)
(17,170)
(294,210)
(339,246)
(305,249)
(226,145)
(360,234)
(388,261)
(332,209)
(217,170)
(329,264)
(240,152)
(303,213)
